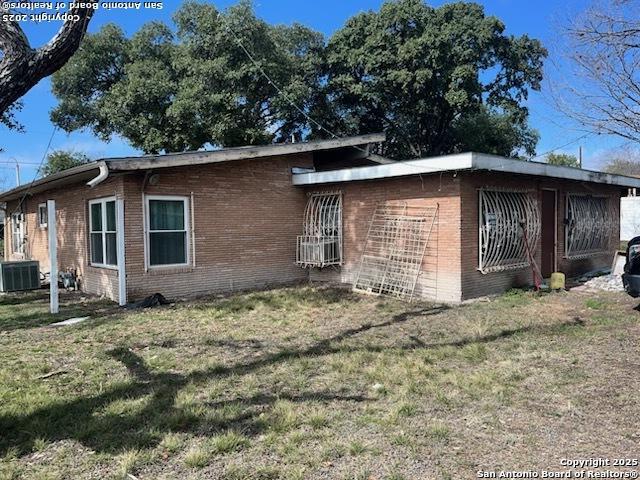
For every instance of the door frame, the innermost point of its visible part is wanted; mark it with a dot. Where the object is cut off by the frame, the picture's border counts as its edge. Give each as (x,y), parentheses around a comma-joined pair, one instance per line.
(555,225)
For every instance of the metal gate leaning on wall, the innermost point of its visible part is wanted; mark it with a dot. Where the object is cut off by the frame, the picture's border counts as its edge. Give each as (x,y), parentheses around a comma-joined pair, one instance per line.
(396,243)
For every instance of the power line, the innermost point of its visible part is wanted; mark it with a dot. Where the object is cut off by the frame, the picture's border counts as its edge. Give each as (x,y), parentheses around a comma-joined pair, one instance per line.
(305,114)
(562,146)
(278,89)
(44,156)
(12,162)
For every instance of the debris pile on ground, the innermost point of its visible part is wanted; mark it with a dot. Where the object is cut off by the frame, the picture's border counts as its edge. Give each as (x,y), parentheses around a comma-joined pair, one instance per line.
(609,283)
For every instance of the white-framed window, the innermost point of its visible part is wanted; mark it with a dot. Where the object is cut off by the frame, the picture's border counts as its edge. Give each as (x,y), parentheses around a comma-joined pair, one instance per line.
(17,233)
(167,226)
(102,232)
(42,215)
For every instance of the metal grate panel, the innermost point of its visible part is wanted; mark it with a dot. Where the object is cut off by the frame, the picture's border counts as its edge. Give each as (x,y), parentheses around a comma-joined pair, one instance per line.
(504,217)
(590,221)
(395,246)
(17,276)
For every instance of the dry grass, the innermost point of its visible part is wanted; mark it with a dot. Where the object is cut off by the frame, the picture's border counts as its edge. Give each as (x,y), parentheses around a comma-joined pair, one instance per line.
(316,383)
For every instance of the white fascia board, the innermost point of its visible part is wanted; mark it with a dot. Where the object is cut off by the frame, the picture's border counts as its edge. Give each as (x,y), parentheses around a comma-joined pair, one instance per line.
(501,164)
(461,161)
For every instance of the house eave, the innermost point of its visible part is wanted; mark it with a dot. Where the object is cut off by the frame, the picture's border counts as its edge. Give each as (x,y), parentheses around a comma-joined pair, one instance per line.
(461,162)
(98,171)
(148,162)
(73,175)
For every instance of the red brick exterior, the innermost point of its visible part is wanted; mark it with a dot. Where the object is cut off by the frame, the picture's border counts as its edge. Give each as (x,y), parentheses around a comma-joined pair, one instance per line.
(247,215)
(440,277)
(71,221)
(450,268)
(474,283)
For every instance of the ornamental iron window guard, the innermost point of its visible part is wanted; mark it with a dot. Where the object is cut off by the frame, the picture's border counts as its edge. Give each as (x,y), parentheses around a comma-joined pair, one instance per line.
(320,245)
(588,225)
(505,216)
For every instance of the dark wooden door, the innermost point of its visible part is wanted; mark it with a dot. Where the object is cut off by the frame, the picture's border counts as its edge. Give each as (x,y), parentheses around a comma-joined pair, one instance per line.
(549,215)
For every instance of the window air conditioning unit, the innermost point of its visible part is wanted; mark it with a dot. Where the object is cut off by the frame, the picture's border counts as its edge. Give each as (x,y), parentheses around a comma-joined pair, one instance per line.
(16,276)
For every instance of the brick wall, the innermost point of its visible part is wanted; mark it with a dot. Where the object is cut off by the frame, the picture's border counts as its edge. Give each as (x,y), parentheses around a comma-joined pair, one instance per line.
(72,236)
(474,283)
(247,215)
(440,276)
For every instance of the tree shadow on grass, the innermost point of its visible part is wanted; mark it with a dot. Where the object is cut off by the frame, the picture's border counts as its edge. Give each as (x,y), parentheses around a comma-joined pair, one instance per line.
(88,420)
(31,310)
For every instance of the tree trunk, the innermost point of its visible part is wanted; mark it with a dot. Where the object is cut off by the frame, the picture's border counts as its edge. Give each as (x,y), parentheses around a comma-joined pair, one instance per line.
(22,67)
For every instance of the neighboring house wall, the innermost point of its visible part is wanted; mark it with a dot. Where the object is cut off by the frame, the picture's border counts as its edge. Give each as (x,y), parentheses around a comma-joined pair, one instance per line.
(440,276)
(72,215)
(474,283)
(629,218)
(246,216)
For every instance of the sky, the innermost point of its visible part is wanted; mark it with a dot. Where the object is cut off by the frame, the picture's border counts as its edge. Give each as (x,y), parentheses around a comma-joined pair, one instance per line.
(541,20)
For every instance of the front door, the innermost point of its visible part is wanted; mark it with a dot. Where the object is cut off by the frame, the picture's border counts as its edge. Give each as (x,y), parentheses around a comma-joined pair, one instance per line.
(549,215)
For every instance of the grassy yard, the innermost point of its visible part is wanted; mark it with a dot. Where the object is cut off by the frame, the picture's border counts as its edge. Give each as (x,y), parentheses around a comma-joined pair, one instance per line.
(316,383)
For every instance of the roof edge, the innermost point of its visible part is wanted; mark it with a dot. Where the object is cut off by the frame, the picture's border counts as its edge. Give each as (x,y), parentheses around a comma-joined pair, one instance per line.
(459,162)
(59,177)
(238,153)
(184,159)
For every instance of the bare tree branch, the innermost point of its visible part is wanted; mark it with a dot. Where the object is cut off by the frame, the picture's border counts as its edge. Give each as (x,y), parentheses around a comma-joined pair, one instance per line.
(22,67)
(603,94)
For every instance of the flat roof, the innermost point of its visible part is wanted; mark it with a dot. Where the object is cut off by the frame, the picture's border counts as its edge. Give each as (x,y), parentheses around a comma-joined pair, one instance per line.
(460,162)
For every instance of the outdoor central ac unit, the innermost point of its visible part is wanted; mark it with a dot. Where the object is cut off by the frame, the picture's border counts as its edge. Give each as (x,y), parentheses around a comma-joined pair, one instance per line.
(15,276)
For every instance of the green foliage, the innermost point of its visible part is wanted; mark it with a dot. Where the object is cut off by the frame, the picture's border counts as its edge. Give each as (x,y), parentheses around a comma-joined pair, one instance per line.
(60,160)
(436,80)
(563,159)
(166,91)
(8,119)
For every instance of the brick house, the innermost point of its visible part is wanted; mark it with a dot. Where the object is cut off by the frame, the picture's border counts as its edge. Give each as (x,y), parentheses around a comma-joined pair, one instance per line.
(452,227)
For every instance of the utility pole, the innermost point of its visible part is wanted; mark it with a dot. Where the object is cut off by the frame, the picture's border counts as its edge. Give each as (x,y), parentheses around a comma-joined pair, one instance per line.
(580,156)
(17,174)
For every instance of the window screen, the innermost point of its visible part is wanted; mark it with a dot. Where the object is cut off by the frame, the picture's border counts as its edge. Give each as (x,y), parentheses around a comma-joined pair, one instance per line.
(167,235)
(42,215)
(103,238)
(17,233)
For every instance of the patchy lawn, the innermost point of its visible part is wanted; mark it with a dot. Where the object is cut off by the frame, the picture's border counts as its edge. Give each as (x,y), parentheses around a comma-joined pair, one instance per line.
(316,383)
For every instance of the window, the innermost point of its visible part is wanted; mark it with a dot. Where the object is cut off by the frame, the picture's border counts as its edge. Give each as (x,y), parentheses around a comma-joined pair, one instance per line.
(103,241)
(505,217)
(167,227)
(321,242)
(588,225)
(17,233)
(42,215)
